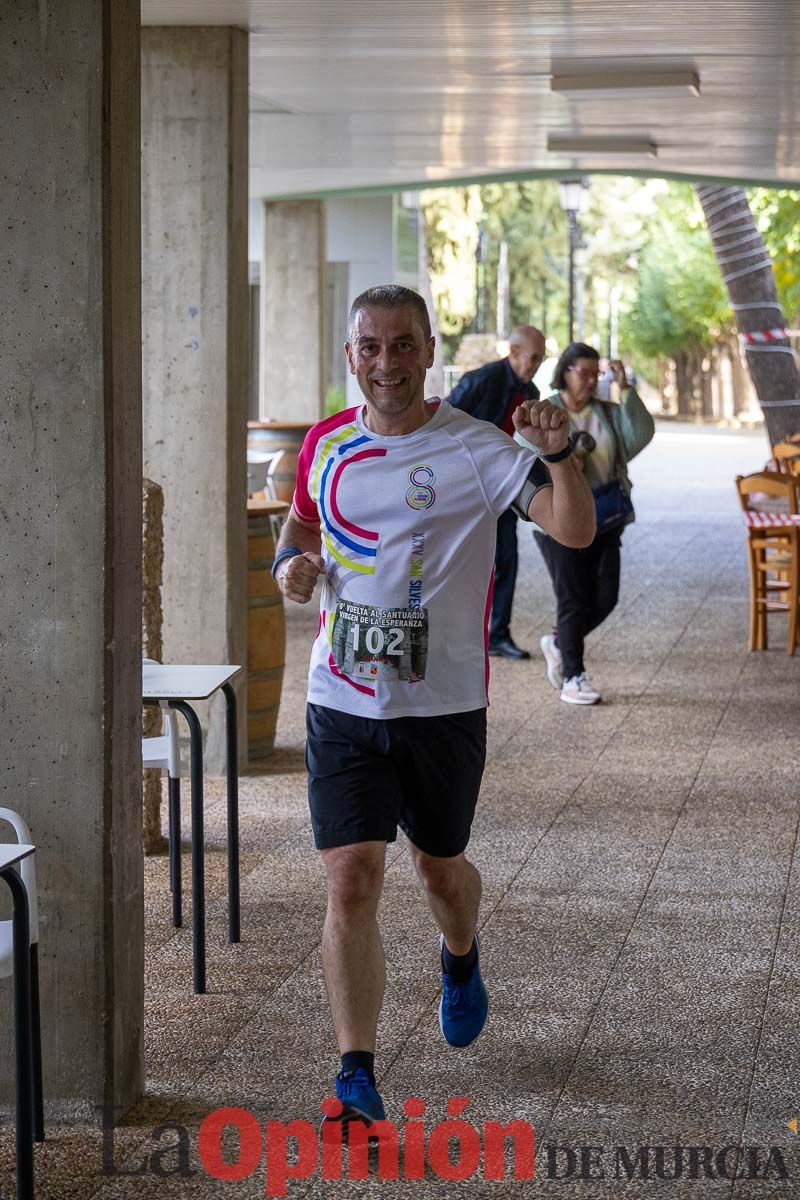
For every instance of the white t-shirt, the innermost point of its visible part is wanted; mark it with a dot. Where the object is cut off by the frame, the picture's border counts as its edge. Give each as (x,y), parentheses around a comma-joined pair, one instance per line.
(408,528)
(598,467)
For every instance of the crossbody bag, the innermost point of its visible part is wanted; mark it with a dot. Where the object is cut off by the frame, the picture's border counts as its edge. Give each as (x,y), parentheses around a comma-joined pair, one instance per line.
(612,501)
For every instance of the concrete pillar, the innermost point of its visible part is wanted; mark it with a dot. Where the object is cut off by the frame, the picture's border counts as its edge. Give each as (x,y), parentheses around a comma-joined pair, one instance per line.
(195,340)
(360,232)
(70,552)
(292,306)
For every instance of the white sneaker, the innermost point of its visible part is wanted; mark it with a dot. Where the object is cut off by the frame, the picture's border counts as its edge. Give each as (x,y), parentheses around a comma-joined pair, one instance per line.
(552,656)
(579,690)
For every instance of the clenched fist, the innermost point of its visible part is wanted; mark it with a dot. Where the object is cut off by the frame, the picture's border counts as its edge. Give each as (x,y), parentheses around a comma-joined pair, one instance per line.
(543,424)
(617,369)
(297,577)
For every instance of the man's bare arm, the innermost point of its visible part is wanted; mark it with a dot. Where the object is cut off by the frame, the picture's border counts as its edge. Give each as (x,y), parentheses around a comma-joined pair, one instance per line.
(297,576)
(566,510)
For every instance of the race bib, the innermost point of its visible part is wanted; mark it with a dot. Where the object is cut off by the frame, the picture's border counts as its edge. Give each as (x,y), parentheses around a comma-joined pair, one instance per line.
(380,643)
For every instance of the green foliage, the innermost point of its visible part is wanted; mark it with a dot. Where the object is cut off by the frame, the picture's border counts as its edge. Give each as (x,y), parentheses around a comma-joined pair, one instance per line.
(528,217)
(451,219)
(647,251)
(777,215)
(615,228)
(335,400)
(680,303)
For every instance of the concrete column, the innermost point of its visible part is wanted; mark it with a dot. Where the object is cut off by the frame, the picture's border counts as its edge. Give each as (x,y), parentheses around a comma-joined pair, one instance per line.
(195,340)
(360,232)
(70,551)
(292,306)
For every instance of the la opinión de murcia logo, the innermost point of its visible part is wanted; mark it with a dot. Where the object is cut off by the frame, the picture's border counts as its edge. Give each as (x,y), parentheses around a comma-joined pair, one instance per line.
(652,1163)
(453,1149)
(233,1145)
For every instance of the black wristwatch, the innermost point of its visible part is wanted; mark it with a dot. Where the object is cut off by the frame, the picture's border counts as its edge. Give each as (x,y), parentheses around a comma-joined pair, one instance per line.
(562,454)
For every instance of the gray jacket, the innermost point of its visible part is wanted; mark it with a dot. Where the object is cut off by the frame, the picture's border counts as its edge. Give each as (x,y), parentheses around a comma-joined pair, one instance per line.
(630,425)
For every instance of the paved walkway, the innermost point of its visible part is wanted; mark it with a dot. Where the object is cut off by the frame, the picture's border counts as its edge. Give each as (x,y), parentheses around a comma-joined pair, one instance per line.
(640,914)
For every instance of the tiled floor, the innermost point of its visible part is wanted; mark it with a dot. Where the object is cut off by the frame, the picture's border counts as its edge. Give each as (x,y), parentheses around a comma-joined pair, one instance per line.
(640,916)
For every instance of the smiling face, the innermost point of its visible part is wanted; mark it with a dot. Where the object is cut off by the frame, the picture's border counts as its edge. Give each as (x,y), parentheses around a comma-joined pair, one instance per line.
(580,381)
(389,354)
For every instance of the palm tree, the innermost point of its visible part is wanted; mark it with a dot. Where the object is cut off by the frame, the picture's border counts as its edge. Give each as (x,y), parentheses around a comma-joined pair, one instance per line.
(747,271)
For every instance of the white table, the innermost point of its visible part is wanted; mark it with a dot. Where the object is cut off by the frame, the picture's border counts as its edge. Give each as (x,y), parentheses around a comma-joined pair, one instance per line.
(174,681)
(10,857)
(177,684)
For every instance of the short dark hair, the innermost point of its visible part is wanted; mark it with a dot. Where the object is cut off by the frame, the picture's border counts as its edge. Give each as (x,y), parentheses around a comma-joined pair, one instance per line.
(573,352)
(390,295)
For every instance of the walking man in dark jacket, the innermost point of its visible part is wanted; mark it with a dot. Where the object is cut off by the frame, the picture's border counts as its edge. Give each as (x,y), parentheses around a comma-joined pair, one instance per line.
(492,393)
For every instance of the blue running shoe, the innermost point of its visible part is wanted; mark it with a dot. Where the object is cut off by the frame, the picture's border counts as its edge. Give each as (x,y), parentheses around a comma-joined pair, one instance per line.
(360,1099)
(463,1008)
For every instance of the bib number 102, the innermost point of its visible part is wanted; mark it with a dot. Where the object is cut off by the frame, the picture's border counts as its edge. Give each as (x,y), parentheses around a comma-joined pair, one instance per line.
(377,640)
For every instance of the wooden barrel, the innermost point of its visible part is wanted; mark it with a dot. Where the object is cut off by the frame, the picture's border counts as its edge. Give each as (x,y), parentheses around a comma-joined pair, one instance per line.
(288,436)
(266,630)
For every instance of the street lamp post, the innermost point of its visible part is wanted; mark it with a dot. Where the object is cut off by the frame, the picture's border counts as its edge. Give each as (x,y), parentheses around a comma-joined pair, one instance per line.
(572,218)
(481,255)
(574,197)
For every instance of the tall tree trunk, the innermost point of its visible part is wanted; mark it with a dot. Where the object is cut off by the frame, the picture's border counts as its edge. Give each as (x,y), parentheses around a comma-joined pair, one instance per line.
(683,385)
(740,379)
(707,384)
(664,373)
(747,271)
(696,370)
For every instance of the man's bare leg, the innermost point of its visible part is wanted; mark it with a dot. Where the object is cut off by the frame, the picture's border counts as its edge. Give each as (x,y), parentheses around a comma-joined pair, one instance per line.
(352,954)
(453,891)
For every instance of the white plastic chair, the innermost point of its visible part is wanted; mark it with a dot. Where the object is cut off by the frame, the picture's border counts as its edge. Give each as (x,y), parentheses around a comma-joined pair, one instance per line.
(27,871)
(260,477)
(163,753)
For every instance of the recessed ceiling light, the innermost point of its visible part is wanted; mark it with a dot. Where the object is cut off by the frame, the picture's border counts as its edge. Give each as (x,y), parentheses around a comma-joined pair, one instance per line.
(625,83)
(566,144)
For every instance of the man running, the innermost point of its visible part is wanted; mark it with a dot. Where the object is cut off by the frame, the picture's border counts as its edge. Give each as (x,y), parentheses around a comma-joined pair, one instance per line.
(395,508)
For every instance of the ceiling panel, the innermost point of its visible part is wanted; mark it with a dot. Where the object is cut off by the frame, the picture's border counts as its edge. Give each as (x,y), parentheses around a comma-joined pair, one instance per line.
(392,92)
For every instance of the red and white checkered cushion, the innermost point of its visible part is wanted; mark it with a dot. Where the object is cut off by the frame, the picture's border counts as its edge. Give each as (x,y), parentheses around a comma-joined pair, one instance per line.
(770,520)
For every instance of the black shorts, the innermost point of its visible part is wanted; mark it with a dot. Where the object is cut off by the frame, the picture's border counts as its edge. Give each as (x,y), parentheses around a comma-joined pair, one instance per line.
(367,776)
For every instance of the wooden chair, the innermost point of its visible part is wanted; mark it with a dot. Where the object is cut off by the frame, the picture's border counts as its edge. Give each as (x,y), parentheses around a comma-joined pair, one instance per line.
(773,552)
(755,492)
(787,457)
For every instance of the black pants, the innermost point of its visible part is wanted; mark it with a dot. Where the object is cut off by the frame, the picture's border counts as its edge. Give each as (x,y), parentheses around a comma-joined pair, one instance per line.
(586,584)
(505,576)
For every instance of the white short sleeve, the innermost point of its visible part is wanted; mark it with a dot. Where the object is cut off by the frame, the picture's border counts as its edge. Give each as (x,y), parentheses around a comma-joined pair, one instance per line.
(500,464)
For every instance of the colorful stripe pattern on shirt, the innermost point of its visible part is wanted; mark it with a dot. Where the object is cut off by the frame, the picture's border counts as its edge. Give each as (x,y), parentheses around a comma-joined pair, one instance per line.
(352,546)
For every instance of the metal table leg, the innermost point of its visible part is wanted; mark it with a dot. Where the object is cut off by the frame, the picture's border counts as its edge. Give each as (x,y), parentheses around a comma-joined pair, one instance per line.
(174,786)
(36,1050)
(234,921)
(198,862)
(22,1033)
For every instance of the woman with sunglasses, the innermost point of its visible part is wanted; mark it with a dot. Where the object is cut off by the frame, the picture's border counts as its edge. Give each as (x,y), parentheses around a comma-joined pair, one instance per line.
(606,437)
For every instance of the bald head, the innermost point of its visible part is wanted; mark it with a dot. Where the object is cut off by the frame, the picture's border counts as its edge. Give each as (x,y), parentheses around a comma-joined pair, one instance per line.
(526,351)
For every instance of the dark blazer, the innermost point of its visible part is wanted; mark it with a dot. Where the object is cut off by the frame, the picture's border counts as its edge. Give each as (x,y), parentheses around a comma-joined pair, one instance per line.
(485,393)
